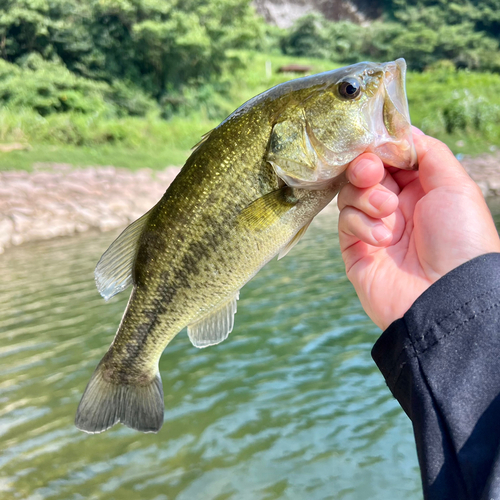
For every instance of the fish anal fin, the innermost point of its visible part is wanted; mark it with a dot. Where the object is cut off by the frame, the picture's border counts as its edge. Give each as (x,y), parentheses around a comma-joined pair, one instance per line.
(296,238)
(269,209)
(215,327)
(113,272)
(105,403)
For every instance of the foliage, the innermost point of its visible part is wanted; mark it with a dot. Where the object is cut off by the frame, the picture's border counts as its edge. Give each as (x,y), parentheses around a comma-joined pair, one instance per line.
(132,57)
(483,15)
(461,108)
(307,38)
(104,126)
(423,32)
(314,36)
(49,87)
(137,75)
(449,102)
(158,46)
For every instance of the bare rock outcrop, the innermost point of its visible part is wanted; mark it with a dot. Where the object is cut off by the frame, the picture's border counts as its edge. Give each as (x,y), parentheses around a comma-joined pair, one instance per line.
(284,13)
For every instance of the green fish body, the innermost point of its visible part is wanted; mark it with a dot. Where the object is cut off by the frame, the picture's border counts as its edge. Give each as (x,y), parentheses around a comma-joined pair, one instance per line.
(247,193)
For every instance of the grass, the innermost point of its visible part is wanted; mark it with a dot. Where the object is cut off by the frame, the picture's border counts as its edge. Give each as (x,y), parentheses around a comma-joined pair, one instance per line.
(460,108)
(132,159)
(131,143)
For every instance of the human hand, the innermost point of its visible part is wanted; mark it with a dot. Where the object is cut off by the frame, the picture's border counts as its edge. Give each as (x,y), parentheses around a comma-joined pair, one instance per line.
(400,231)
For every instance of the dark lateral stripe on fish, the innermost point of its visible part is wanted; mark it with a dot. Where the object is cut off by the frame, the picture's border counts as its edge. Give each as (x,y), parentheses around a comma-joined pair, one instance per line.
(227,213)
(181,276)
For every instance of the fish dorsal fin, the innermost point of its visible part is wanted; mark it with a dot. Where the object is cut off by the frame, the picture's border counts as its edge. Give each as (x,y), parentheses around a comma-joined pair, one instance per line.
(296,238)
(113,272)
(203,139)
(215,326)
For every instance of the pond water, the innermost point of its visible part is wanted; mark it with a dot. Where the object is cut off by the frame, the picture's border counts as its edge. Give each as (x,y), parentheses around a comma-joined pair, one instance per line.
(291,406)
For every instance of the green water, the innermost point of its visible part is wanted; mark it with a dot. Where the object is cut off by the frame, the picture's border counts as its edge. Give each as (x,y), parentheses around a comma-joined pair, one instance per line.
(291,406)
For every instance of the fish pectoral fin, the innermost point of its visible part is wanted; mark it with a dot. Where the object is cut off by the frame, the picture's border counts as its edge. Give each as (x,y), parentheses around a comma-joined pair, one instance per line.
(215,326)
(296,238)
(269,209)
(113,272)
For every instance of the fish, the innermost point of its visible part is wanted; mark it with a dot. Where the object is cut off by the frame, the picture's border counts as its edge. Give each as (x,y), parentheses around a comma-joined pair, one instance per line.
(247,193)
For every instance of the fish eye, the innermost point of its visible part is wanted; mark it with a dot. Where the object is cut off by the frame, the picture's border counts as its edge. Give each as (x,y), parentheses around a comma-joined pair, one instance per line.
(350,88)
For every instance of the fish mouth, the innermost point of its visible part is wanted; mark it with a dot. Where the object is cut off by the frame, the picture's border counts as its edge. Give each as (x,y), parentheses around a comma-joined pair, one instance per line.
(394,82)
(390,120)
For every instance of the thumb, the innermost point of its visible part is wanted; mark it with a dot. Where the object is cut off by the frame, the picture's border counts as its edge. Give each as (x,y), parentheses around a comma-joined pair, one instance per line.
(437,165)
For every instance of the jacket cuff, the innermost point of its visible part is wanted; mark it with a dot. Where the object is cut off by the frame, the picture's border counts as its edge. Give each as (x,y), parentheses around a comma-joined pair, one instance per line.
(442,308)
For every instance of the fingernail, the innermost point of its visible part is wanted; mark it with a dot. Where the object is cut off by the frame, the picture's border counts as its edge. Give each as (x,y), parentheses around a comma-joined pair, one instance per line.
(360,166)
(380,232)
(416,130)
(378,198)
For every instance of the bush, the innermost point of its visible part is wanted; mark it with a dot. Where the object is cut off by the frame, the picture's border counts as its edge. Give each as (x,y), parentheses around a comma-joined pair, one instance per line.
(444,102)
(49,87)
(422,36)
(465,112)
(153,45)
(314,36)
(307,37)
(128,99)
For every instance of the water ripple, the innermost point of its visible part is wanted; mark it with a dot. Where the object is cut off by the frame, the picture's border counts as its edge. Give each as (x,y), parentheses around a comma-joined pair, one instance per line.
(291,406)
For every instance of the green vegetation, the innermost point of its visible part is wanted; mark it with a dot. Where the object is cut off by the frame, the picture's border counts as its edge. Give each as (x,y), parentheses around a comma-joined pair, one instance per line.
(134,142)
(464,33)
(136,83)
(462,108)
(157,46)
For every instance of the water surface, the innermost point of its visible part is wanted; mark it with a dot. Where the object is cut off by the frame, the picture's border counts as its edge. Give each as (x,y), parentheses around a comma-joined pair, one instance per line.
(291,406)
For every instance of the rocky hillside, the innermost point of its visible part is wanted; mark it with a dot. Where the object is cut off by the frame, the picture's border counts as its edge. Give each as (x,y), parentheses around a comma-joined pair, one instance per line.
(284,13)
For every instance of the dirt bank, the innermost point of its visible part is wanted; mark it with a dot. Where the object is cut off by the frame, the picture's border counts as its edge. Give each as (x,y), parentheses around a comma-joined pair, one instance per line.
(59,200)
(485,170)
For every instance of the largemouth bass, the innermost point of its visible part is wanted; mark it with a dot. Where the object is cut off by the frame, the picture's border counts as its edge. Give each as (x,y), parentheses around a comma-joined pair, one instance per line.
(247,193)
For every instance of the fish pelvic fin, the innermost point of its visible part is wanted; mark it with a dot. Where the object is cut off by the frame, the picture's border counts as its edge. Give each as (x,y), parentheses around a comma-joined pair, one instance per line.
(295,239)
(105,403)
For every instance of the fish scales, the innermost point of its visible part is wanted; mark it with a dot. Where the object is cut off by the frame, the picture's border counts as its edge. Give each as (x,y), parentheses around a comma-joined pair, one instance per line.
(199,234)
(248,191)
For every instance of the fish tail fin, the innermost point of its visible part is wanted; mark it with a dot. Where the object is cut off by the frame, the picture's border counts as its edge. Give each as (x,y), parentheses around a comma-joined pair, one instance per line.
(105,403)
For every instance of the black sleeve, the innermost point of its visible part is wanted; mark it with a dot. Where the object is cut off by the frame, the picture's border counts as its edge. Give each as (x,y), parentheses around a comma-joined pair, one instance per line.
(442,363)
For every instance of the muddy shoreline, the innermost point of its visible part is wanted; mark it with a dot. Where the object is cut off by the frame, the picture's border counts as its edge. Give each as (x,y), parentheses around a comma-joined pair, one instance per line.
(60,200)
